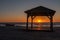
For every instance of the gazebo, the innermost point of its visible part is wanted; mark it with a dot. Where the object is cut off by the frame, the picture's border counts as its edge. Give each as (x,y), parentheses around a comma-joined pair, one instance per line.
(40,11)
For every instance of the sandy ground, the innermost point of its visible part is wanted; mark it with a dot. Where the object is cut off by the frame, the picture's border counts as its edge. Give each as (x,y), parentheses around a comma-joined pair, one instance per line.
(17,34)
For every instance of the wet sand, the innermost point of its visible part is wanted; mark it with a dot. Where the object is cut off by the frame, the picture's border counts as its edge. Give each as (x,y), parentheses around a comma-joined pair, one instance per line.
(18,34)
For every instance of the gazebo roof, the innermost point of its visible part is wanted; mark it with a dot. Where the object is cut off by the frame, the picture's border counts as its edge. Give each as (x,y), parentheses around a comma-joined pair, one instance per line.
(40,11)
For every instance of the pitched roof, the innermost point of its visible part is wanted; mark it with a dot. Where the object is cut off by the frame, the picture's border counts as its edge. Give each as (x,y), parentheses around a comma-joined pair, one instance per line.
(40,11)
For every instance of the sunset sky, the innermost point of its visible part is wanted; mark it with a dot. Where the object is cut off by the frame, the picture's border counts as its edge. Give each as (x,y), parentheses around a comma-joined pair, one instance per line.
(13,10)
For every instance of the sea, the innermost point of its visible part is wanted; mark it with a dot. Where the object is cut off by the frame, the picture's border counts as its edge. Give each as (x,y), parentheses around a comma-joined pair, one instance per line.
(36,26)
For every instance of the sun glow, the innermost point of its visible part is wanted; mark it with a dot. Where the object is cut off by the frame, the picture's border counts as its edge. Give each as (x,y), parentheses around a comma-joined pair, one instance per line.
(39,20)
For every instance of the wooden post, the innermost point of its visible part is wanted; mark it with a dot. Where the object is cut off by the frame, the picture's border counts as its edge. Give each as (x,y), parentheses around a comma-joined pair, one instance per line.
(51,23)
(31,22)
(27,22)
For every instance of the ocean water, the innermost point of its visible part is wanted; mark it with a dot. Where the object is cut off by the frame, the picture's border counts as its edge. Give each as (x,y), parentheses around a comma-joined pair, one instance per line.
(36,26)
(41,26)
(56,24)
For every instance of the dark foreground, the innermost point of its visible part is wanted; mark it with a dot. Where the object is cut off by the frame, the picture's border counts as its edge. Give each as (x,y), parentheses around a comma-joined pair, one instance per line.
(18,34)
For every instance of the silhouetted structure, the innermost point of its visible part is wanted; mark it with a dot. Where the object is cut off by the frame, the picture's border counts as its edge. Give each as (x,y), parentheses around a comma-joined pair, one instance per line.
(7,24)
(40,11)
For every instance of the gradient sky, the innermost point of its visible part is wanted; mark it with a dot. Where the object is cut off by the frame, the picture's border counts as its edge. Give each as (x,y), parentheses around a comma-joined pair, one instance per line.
(13,10)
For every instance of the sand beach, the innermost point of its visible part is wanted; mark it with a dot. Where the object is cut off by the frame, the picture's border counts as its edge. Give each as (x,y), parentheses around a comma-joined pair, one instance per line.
(18,34)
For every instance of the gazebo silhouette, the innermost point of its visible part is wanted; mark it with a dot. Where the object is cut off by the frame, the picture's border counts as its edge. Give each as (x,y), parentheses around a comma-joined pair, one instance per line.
(40,11)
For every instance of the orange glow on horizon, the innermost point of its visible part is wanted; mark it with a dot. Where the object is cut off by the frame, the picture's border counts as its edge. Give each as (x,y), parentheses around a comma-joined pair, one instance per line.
(37,19)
